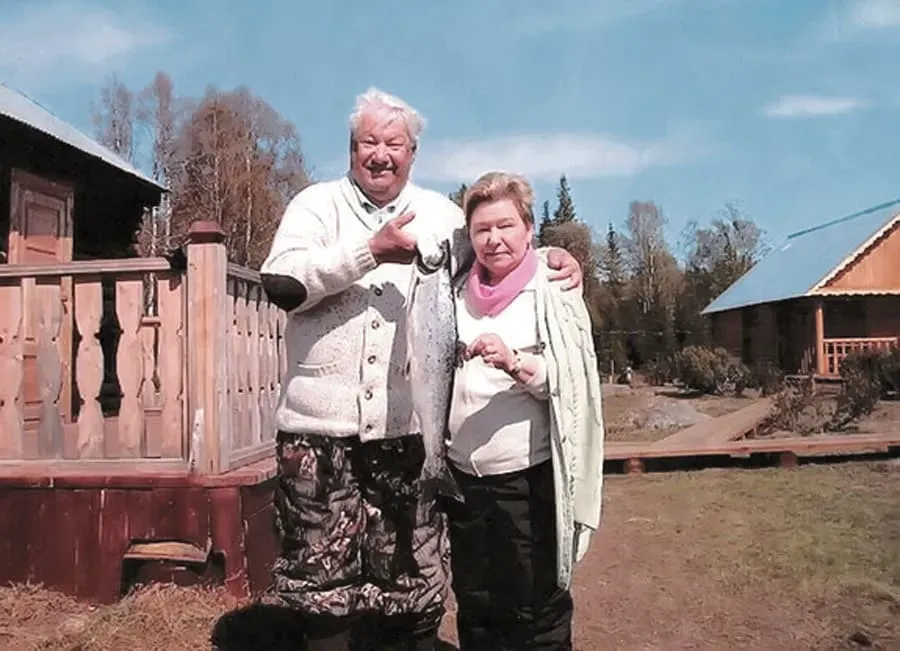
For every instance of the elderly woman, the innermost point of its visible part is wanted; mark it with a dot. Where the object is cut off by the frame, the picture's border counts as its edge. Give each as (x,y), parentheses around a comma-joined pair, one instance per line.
(526,433)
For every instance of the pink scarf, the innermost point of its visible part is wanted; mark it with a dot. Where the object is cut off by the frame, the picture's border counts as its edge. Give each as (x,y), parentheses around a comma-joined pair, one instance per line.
(490,300)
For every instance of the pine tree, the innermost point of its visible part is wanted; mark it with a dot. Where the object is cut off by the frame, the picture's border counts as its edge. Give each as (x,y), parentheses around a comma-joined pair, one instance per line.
(613,268)
(613,263)
(546,223)
(458,196)
(565,209)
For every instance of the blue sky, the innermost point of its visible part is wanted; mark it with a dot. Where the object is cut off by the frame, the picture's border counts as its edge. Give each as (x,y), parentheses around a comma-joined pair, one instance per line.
(787,107)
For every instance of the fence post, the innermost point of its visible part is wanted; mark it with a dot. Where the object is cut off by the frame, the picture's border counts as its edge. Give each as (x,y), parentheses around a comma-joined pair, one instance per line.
(207,331)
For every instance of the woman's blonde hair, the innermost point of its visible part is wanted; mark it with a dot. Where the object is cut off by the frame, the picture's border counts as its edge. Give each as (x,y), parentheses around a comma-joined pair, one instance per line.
(496,186)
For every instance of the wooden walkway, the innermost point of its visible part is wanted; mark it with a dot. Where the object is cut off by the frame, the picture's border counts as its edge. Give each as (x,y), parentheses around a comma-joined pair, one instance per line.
(729,427)
(785,449)
(726,438)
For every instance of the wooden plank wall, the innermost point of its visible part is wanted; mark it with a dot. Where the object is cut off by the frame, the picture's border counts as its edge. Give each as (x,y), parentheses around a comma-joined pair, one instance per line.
(875,270)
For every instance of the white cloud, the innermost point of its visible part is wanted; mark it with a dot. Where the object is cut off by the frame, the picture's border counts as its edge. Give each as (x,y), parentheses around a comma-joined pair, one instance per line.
(875,14)
(543,157)
(803,106)
(70,38)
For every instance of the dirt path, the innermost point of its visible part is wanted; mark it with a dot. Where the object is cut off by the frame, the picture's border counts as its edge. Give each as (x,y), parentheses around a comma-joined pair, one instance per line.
(768,560)
(682,563)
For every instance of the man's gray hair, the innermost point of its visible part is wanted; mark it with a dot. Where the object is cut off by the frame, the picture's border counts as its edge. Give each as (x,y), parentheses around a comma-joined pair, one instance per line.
(382,103)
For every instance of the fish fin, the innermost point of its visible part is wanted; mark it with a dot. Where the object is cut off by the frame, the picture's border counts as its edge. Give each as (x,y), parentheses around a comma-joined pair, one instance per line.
(433,255)
(460,357)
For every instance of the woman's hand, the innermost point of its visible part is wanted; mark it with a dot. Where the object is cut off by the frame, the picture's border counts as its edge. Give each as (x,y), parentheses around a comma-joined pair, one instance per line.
(567,268)
(493,351)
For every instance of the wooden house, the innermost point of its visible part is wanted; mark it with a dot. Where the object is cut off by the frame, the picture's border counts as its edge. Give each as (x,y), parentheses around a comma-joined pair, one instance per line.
(136,396)
(823,293)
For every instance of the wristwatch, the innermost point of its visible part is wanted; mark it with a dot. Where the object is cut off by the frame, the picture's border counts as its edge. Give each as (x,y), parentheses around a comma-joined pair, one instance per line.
(518,364)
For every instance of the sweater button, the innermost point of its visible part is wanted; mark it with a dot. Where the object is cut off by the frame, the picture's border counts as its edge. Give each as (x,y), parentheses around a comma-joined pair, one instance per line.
(368,394)
(377,291)
(376,324)
(371,359)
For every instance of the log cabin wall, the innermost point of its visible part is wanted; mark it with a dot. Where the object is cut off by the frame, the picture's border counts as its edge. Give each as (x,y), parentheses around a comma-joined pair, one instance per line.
(109,203)
(845,316)
(762,336)
(727,331)
(882,316)
(801,343)
(4,211)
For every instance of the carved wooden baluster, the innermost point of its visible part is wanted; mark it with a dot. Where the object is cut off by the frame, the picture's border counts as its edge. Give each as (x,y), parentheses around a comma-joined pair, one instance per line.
(129,365)
(49,369)
(233,407)
(89,367)
(172,363)
(242,436)
(282,353)
(254,307)
(12,421)
(274,381)
(268,369)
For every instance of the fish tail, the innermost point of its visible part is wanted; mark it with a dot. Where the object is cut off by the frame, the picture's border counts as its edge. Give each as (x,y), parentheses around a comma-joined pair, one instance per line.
(442,485)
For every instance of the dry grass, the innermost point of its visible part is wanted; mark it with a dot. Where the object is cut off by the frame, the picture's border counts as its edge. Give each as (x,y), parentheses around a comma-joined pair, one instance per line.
(885,419)
(763,559)
(756,559)
(157,618)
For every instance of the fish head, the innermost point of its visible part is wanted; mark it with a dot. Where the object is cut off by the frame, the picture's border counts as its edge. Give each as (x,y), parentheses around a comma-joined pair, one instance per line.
(432,254)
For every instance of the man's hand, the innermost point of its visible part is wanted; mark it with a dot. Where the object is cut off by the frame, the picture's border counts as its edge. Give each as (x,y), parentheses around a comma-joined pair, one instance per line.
(567,268)
(493,351)
(393,244)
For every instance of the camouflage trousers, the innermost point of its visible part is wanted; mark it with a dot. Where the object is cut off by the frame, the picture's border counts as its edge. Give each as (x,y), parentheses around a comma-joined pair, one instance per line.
(356,537)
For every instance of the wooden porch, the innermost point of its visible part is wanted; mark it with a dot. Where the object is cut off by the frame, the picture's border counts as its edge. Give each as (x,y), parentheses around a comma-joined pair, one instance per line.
(832,350)
(136,419)
(810,336)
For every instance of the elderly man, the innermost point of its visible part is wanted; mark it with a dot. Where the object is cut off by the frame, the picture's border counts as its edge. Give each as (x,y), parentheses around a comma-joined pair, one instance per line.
(362,556)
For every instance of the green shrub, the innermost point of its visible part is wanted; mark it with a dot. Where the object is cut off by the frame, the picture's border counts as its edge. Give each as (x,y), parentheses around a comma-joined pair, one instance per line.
(767,377)
(658,371)
(878,366)
(710,371)
(865,377)
(798,408)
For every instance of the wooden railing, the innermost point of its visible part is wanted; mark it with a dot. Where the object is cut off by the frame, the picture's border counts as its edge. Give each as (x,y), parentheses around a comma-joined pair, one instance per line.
(138,363)
(88,369)
(256,363)
(837,349)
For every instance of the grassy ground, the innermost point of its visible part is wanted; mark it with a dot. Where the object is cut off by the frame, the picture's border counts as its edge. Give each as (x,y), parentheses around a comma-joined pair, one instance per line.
(756,559)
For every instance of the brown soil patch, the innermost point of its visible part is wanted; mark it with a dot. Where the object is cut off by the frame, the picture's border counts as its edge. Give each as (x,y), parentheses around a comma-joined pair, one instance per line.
(759,559)
(624,407)
(885,419)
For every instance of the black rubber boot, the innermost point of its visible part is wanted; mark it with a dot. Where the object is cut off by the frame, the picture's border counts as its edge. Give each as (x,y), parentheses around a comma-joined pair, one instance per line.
(410,641)
(328,634)
(335,642)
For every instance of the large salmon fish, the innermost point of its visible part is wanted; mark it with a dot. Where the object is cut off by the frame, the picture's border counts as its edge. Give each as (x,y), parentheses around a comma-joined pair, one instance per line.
(432,355)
